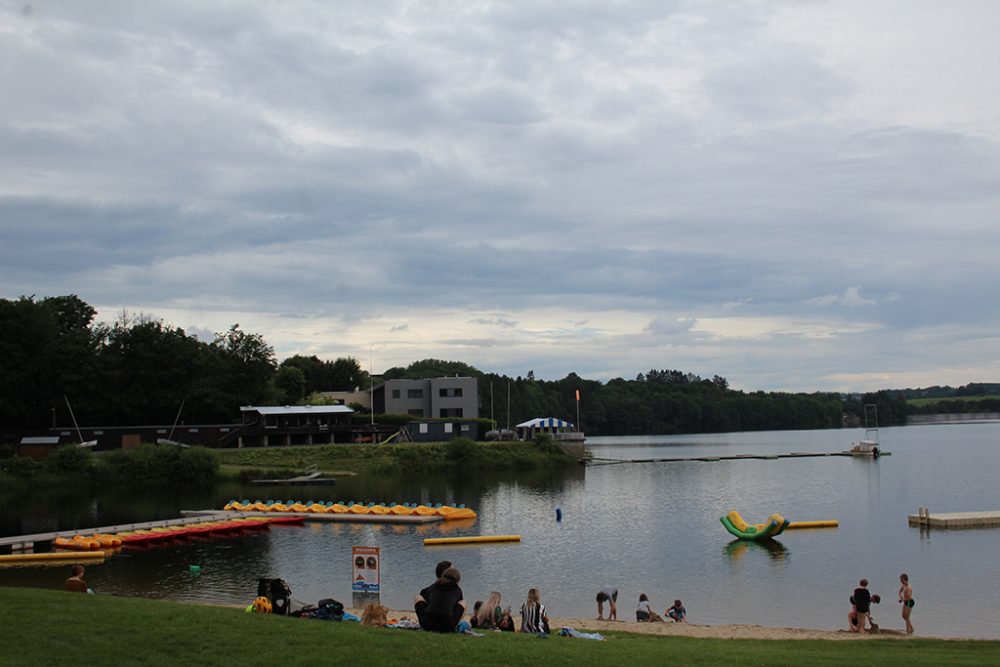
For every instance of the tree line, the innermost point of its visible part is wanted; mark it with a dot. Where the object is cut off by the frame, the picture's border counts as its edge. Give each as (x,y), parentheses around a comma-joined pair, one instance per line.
(135,370)
(139,370)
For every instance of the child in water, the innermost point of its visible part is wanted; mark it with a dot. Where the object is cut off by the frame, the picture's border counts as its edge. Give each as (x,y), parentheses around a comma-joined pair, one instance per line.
(906,597)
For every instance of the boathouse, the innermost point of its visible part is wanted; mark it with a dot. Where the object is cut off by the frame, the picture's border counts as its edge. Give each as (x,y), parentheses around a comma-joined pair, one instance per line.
(266,426)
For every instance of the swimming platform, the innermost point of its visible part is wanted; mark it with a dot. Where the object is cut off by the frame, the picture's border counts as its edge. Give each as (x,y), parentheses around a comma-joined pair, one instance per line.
(925,519)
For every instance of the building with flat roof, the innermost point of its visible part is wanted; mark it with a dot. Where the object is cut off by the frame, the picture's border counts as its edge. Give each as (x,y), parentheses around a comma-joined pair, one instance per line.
(269,425)
(435,398)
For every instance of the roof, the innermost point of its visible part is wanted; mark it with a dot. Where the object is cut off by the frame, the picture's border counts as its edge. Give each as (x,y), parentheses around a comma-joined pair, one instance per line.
(545,422)
(40,440)
(297,409)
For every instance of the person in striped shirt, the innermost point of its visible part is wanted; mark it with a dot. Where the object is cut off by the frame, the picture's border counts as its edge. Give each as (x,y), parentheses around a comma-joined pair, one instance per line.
(533,618)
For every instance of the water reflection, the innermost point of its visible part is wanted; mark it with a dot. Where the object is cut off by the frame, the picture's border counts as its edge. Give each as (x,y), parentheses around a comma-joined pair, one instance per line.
(775,550)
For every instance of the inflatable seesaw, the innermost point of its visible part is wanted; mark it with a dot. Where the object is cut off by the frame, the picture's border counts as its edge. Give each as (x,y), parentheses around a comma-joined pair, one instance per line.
(739,528)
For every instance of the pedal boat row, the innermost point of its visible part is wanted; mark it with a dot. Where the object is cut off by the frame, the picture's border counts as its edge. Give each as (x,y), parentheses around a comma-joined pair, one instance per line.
(447,512)
(166,533)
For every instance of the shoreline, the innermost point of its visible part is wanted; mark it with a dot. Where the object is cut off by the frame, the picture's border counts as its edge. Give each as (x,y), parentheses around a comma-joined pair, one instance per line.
(728,631)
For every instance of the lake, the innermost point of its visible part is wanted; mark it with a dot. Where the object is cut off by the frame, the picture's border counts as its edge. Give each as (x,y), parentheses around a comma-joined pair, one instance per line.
(646,528)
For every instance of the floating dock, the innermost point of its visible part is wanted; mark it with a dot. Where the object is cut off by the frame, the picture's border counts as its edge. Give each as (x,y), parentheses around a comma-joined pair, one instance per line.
(802,525)
(955,519)
(471,539)
(598,460)
(26,542)
(55,557)
(313,478)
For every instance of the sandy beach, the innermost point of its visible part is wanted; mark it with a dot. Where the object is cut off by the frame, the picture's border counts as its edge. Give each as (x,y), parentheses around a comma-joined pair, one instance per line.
(693,630)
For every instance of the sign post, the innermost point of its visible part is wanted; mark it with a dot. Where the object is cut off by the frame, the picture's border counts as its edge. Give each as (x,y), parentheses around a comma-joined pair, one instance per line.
(366,579)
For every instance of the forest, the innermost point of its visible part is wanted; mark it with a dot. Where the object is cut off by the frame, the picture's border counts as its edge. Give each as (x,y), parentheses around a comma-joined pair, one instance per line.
(139,370)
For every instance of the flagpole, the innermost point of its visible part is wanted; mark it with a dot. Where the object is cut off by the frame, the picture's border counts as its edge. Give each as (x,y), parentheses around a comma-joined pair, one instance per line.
(371,383)
(578,410)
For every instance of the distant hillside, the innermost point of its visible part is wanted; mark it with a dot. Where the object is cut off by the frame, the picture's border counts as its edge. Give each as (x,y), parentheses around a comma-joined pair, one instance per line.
(972,390)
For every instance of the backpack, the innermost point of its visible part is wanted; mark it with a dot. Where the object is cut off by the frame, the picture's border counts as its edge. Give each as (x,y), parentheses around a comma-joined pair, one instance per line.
(278,592)
(328,609)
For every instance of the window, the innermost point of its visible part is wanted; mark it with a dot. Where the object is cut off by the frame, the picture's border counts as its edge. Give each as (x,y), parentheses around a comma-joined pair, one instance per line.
(451,412)
(395,393)
(415,412)
(450,392)
(414,393)
(448,428)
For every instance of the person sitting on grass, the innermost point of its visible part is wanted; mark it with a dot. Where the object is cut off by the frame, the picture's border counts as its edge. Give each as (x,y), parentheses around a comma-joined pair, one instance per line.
(533,618)
(440,606)
(492,616)
(677,612)
(76,584)
(488,615)
(375,615)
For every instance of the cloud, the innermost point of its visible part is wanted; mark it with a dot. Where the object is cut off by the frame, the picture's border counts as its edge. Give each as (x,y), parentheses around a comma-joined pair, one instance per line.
(518,185)
(851,298)
(670,327)
(496,321)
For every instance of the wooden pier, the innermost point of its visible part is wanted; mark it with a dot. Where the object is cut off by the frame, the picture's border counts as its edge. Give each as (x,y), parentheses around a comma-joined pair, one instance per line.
(598,460)
(925,519)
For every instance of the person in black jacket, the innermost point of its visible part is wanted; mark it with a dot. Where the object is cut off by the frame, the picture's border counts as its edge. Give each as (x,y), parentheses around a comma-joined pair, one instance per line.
(862,604)
(440,606)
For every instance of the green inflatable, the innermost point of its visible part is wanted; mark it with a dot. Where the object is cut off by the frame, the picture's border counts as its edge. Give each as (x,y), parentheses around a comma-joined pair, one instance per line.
(735,524)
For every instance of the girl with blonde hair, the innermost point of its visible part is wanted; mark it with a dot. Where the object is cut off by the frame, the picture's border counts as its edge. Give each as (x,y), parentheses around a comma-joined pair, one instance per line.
(533,617)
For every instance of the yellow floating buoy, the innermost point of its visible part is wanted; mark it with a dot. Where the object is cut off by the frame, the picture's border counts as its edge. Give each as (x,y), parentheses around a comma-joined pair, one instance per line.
(474,539)
(830,523)
(54,555)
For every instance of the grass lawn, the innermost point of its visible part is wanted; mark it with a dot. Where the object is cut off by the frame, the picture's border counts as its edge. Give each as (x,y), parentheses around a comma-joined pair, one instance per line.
(44,627)
(360,459)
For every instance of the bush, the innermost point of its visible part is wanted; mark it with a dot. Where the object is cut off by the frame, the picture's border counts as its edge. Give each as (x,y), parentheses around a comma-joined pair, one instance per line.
(461,450)
(162,464)
(545,443)
(196,466)
(21,466)
(69,459)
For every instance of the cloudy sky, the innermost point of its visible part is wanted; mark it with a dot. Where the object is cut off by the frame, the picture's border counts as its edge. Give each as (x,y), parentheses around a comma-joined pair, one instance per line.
(798,195)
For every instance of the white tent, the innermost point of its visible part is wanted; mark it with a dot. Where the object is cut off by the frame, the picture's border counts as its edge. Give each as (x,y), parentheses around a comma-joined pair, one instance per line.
(550,423)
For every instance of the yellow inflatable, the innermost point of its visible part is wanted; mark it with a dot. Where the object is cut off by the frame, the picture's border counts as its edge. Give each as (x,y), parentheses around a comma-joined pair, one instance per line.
(738,527)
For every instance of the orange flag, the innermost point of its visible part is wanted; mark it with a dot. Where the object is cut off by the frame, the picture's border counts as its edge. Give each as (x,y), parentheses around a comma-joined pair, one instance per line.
(578,394)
